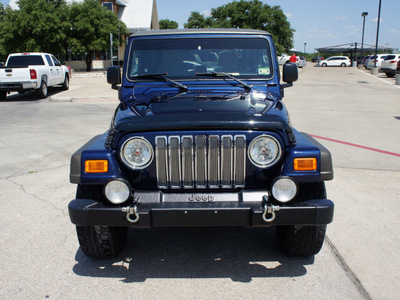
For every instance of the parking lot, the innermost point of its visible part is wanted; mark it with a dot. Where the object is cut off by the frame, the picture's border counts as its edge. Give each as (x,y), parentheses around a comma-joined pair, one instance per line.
(355,115)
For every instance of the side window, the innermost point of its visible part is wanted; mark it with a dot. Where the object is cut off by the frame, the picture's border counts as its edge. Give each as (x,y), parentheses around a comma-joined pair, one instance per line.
(50,62)
(56,62)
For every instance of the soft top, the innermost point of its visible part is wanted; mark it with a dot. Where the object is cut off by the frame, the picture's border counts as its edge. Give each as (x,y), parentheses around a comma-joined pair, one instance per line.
(199,31)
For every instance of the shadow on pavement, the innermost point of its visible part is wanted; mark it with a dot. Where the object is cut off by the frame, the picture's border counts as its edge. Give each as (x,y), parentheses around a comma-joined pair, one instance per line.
(31,96)
(236,253)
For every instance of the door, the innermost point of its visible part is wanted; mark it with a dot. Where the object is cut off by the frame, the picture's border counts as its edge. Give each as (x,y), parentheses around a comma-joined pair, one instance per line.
(58,70)
(52,74)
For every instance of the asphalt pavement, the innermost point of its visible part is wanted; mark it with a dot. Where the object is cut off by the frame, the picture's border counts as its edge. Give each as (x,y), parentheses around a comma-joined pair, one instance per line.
(355,115)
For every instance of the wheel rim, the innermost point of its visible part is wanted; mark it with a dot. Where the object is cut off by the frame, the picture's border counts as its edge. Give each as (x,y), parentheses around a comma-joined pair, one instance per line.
(44,89)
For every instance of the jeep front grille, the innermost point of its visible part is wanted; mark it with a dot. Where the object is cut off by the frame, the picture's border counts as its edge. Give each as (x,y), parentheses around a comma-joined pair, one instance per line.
(200,161)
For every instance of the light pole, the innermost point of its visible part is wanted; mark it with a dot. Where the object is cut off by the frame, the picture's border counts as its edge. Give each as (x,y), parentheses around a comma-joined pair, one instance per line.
(364,14)
(305,44)
(375,69)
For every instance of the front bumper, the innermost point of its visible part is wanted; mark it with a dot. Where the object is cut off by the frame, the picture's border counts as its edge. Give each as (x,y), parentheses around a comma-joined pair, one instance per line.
(175,210)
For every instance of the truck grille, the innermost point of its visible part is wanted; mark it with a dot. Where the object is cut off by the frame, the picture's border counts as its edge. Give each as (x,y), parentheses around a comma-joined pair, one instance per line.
(201,161)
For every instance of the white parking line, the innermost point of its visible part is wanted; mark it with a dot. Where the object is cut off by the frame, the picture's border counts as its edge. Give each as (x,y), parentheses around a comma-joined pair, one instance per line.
(396,86)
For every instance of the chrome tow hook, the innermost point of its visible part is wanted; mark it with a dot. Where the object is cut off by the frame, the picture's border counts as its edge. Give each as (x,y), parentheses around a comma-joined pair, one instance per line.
(131,211)
(270,210)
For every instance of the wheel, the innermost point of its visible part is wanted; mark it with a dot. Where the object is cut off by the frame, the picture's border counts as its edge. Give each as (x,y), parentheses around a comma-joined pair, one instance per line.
(390,74)
(65,85)
(342,65)
(42,92)
(101,241)
(303,240)
(324,65)
(3,95)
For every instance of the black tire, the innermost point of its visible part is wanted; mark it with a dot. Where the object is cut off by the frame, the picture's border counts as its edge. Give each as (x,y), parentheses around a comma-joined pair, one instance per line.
(342,65)
(390,75)
(101,241)
(324,65)
(303,240)
(3,95)
(65,85)
(42,92)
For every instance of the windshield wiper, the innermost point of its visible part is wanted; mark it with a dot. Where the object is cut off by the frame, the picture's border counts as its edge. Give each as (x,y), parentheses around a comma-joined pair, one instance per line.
(223,74)
(162,75)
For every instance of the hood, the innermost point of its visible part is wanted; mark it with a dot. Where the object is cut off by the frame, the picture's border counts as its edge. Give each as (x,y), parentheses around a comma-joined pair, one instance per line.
(202,101)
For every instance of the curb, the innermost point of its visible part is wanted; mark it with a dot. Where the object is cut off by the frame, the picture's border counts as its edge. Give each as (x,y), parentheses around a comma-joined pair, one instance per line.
(92,99)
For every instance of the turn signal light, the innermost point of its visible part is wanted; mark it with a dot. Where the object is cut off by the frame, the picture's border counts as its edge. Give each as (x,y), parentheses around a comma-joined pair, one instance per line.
(96,166)
(305,164)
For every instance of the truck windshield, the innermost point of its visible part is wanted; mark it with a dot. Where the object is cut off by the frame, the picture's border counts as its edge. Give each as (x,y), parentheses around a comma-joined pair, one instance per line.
(25,60)
(185,57)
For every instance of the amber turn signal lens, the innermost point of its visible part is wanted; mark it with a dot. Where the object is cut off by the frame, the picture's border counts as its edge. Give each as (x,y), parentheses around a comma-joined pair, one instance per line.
(305,164)
(96,166)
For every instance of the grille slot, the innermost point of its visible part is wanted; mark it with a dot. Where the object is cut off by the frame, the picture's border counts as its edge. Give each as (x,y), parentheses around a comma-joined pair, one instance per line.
(200,161)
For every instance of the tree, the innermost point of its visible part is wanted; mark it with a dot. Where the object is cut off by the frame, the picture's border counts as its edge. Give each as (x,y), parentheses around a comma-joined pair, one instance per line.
(168,24)
(252,14)
(38,26)
(91,28)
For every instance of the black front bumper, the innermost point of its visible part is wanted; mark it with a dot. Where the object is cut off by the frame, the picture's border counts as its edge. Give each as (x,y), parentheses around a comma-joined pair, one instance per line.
(167,213)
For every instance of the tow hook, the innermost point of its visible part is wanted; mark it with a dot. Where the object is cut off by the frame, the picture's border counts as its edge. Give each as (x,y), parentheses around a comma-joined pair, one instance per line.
(131,211)
(270,210)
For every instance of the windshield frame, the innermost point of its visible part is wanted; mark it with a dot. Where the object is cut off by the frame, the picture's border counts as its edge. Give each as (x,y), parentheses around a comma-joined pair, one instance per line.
(269,49)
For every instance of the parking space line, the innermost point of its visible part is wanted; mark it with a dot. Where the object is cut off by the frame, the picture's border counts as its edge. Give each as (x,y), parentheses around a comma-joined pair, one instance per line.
(396,86)
(355,145)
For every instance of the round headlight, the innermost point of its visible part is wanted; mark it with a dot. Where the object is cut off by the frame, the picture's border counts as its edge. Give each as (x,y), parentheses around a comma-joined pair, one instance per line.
(117,191)
(284,189)
(264,151)
(137,153)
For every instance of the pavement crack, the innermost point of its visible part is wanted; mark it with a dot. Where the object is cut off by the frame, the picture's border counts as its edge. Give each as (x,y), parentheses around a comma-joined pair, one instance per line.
(22,188)
(34,172)
(353,277)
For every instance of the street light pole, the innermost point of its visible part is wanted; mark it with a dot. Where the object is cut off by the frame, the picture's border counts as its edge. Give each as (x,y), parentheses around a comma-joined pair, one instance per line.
(364,14)
(374,69)
(305,44)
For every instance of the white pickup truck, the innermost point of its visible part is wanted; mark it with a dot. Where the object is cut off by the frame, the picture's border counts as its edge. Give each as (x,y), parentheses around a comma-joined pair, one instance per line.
(32,71)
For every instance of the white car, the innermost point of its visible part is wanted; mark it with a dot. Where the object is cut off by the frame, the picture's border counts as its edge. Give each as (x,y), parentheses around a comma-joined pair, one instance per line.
(32,72)
(283,59)
(335,61)
(301,61)
(371,61)
(389,64)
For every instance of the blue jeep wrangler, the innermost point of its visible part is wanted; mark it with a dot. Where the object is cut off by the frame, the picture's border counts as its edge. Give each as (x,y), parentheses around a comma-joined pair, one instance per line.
(201,138)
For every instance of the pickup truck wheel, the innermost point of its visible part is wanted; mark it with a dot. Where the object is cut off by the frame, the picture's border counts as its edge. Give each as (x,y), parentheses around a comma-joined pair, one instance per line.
(3,95)
(303,240)
(65,85)
(42,92)
(101,241)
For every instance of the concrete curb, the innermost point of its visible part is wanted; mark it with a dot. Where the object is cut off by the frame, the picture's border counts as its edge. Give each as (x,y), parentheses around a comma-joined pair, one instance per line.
(91,99)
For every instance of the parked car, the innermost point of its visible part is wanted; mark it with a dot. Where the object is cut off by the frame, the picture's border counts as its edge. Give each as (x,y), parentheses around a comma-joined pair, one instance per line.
(32,72)
(201,143)
(283,59)
(389,64)
(371,61)
(301,61)
(335,61)
(365,60)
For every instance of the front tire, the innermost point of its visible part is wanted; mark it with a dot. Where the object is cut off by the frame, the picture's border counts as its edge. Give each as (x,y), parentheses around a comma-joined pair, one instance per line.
(65,85)
(324,65)
(101,241)
(303,240)
(390,75)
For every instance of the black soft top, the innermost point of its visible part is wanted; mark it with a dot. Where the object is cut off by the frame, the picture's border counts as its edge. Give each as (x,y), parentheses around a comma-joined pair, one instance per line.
(230,31)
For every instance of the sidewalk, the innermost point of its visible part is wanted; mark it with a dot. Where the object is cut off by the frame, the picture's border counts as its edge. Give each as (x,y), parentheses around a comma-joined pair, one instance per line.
(91,86)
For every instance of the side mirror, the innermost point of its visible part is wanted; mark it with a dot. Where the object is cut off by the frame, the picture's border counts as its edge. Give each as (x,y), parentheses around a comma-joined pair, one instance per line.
(114,76)
(290,72)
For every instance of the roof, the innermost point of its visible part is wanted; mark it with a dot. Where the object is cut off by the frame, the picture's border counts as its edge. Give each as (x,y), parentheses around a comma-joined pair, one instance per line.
(200,31)
(139,15)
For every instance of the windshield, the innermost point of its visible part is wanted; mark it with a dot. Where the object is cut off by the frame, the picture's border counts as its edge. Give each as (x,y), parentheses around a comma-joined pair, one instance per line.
(184,57)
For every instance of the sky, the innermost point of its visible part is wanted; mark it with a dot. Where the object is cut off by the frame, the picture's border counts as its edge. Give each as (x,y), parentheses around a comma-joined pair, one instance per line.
(317,23)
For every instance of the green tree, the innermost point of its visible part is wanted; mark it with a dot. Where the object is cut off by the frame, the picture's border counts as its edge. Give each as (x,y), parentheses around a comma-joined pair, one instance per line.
(168,24)
(91,28)
(38,26)
(252,14)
